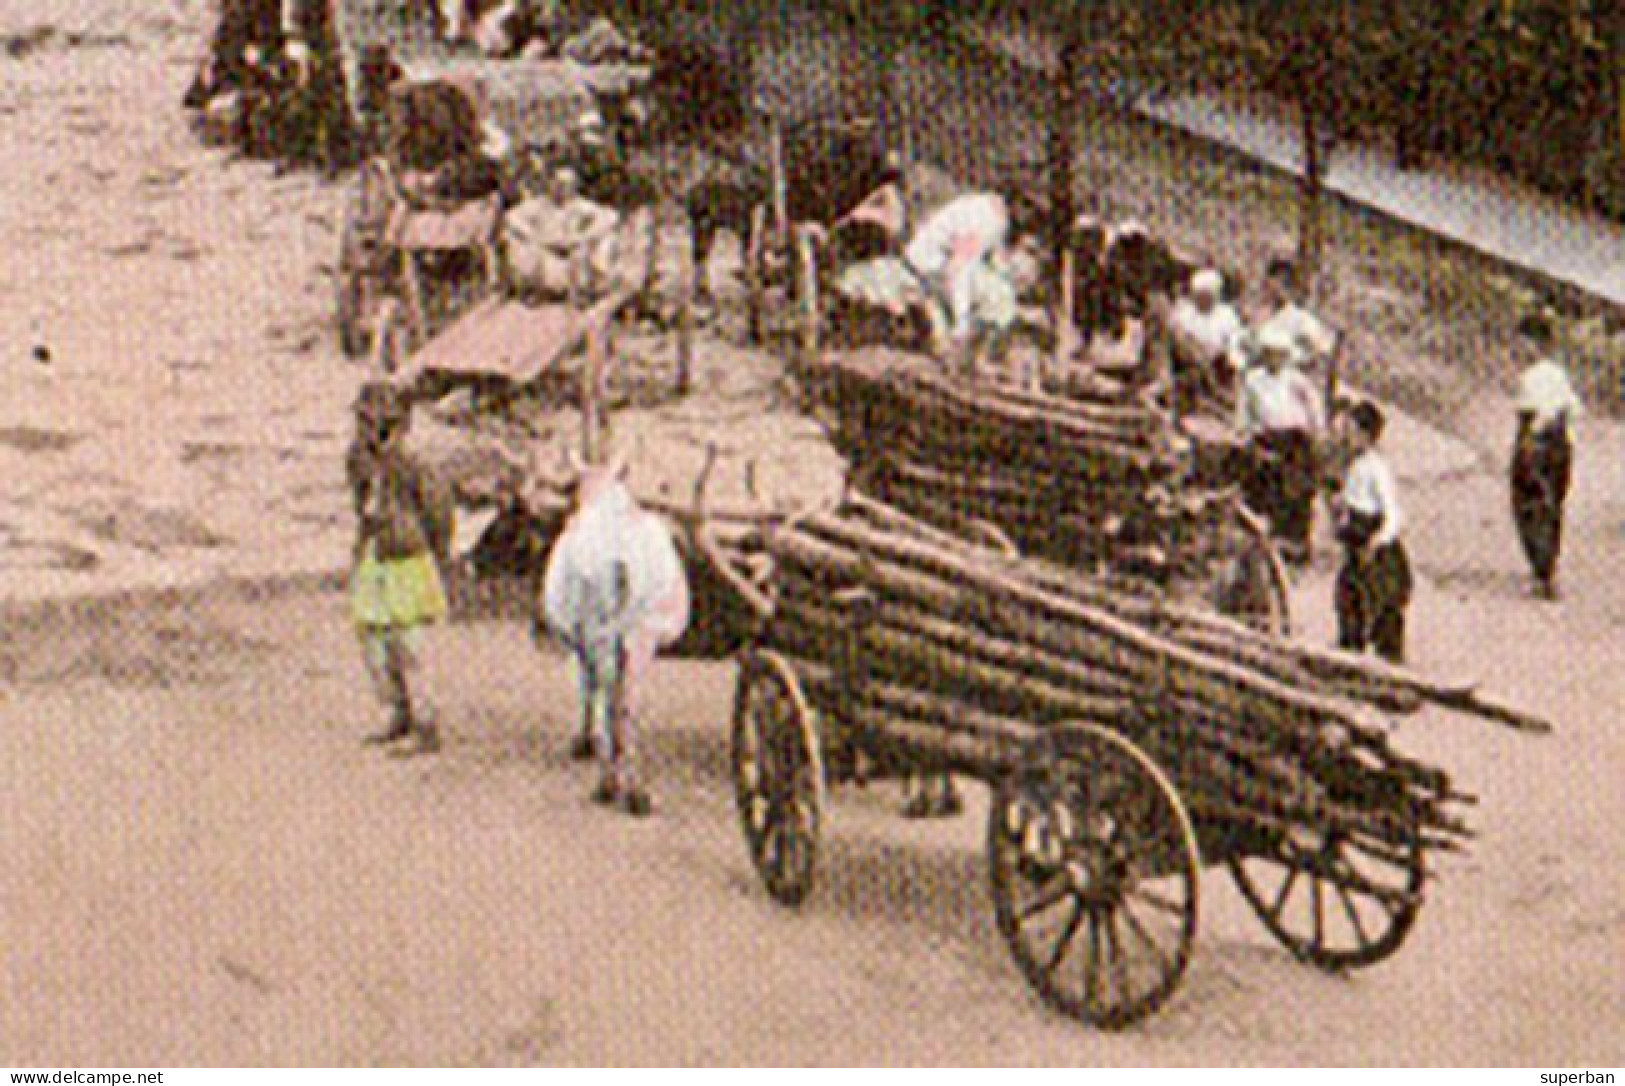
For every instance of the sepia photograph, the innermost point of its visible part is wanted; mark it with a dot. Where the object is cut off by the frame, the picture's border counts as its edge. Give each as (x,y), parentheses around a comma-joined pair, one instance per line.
(812,533)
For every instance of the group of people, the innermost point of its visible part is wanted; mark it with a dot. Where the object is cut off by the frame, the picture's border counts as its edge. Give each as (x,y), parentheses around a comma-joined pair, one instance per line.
(274,66)
(614,589)
(1279,411)
(275,69)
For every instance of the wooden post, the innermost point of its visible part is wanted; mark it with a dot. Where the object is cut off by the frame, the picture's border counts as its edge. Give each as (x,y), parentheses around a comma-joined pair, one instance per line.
(755,255)
(1309,214)
(807,269)
(897,75)
(417,312)
(1063,319)
(685,337)
(781,210)
(592,368)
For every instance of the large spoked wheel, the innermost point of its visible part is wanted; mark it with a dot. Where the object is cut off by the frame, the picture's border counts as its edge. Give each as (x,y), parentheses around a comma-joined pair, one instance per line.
(1094,868)
(1330,900)
(778,775)
(1249,580)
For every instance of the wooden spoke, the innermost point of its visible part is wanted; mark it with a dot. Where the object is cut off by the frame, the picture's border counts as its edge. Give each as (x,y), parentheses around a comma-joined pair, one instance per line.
(1318,904)
(1068,934)
(1157,901)
(1353,914)
(1283,892)
(1091,966)
(1137,928)
(1114,948)
(1047,901)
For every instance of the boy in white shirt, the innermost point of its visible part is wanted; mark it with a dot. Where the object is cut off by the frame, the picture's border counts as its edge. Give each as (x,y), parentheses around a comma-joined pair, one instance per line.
(1374,584)
(1542,456)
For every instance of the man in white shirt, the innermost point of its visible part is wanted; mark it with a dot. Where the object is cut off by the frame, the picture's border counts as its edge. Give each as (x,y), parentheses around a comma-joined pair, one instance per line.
(1279,412)
(1206,335)
(1312,341)
(1374,584)
(558,244)
(1543,455)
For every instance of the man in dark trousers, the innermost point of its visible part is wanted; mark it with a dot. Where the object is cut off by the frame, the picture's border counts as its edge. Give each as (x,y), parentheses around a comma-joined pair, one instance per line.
(1542,454)
(1374,583)
(1280,413)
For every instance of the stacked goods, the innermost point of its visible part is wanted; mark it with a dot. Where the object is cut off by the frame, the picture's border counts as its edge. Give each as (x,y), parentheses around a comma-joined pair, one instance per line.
(1068,479)
(960,655)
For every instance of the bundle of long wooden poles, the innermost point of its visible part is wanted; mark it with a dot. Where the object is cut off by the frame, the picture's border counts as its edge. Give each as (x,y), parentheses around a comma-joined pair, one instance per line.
(962,655)
(1059,476)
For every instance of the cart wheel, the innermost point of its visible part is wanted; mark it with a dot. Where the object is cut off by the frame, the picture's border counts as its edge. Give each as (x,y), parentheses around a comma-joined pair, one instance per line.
(1331,901)
(1094,868)
(778,775)
(1250,583)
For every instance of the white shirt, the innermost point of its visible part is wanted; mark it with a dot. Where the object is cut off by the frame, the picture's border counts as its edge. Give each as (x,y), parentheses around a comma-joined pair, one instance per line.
(1284,401)
(1545,392)
(1312,338)
(561,227)
(1209,335)
(1369,489)
(957,233)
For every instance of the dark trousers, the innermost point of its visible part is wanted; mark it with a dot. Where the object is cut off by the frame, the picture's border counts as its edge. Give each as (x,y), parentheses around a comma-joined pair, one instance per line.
(1373,590)
(1280,484)
(316,128)
(1541,465)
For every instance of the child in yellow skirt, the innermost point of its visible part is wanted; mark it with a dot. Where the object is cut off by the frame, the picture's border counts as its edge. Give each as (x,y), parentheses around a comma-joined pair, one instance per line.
(403,538)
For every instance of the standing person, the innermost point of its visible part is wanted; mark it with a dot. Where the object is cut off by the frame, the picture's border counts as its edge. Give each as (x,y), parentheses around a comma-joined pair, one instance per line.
(1313,343)
(614,593)
(1542,455)
(403,541)
(318,127)
(1279,412)
(1374,583)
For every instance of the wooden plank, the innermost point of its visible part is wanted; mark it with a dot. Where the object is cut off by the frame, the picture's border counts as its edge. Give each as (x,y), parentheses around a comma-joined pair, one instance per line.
(507,339)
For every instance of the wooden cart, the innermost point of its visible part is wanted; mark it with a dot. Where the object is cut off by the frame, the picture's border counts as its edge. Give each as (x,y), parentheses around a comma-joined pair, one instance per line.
(1109,485)
(1203,743)
(407,265)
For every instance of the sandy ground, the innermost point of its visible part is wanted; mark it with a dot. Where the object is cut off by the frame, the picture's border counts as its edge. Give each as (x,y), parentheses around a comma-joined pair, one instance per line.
(204,866)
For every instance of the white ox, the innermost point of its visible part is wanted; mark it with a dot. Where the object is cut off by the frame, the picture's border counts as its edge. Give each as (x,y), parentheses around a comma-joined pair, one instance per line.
(614,593)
